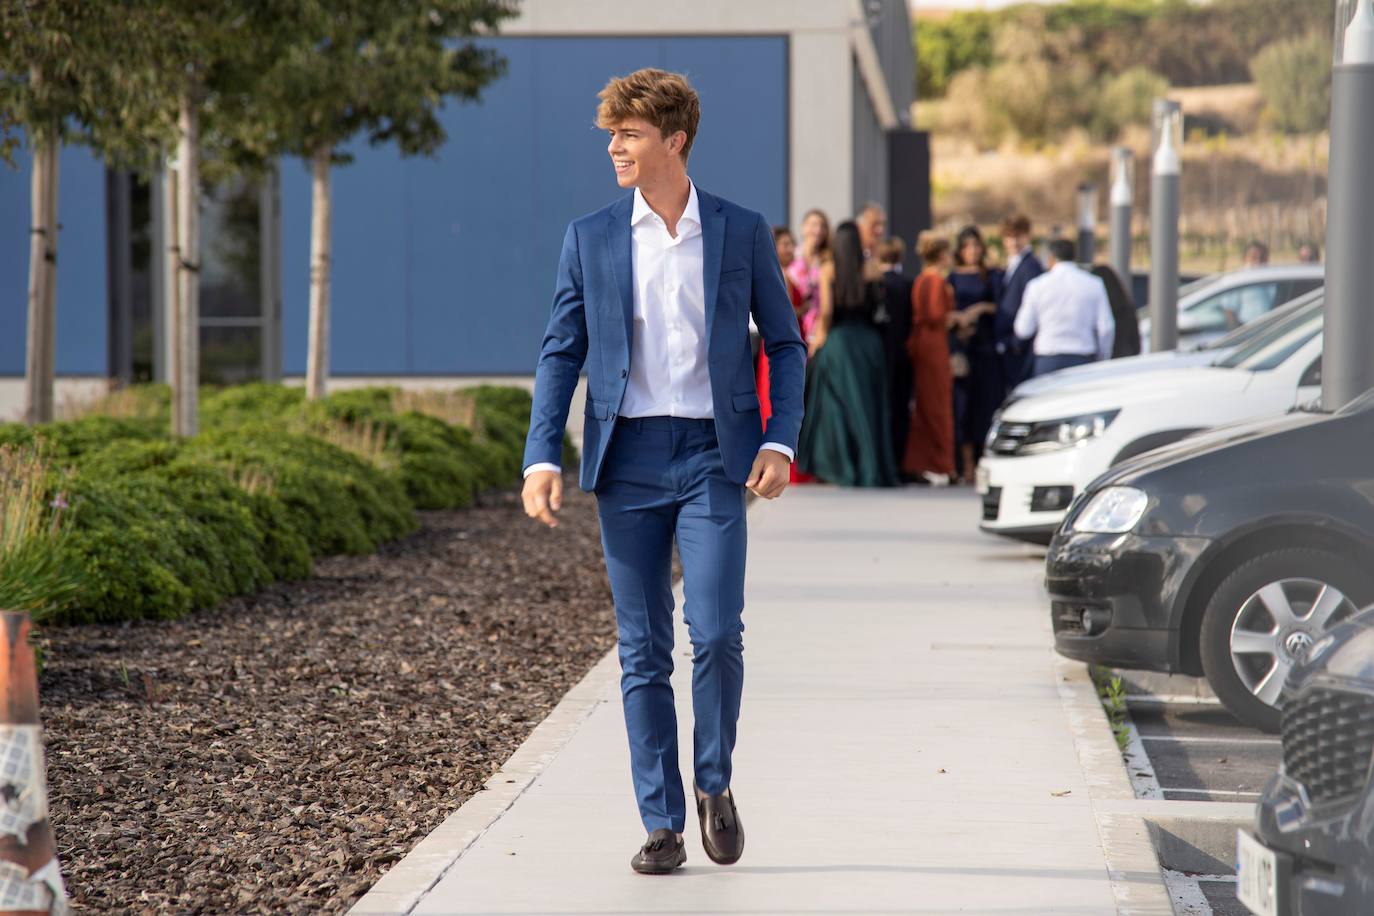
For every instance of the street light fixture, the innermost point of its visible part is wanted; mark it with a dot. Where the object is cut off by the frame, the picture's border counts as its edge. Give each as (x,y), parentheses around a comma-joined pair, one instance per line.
(1349,332)
(1166,173)
(1087,222)
(1122,200)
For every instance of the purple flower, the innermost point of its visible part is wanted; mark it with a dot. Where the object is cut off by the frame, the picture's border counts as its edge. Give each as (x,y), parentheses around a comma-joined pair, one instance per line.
(60,502)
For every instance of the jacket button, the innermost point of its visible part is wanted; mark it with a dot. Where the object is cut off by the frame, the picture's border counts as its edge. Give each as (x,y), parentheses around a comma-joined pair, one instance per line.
(624,372)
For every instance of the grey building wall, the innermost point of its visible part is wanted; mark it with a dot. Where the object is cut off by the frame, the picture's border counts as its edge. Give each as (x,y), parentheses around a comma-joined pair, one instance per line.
(870,150)
(889,22)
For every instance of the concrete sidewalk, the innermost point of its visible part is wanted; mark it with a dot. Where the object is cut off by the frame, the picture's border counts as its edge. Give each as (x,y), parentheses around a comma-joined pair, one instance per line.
(903,747)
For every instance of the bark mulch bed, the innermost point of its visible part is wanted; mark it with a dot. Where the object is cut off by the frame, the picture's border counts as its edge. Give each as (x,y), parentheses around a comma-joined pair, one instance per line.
(278,753)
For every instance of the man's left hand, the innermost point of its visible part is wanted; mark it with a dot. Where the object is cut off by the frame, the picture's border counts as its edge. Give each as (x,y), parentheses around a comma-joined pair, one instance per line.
(770,475)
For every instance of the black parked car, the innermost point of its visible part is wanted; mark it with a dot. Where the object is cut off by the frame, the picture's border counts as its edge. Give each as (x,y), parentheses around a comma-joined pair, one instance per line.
(1227,555)
(1312,852)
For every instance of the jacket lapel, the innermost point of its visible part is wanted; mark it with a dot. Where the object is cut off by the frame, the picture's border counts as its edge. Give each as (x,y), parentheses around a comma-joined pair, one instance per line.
(622,262)
(712,251)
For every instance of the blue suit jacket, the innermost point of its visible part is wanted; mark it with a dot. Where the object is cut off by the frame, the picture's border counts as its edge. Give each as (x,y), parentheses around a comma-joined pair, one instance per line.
(593,311)
(1016,354)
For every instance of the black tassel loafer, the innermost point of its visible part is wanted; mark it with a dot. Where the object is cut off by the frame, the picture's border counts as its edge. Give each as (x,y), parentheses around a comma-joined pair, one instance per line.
(660,854)
(722,834)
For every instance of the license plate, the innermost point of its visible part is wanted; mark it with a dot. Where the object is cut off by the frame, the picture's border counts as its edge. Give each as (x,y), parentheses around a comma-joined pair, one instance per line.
(983,480)
(1257,876)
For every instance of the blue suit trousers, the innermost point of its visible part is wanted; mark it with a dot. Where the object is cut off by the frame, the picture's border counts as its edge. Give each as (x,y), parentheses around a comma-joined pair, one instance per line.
(663,478)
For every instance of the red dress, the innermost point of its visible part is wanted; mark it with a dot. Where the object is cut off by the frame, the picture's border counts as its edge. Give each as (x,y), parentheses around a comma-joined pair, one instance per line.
(761,379)
(930,442)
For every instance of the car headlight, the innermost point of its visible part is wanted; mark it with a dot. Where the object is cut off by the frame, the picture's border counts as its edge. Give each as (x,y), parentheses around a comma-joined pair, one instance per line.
(1054,435)
(1114,510)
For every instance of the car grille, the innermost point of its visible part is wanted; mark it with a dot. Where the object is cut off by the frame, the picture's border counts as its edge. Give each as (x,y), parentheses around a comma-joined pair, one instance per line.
(992,504)
(1007,437)
(1328,742)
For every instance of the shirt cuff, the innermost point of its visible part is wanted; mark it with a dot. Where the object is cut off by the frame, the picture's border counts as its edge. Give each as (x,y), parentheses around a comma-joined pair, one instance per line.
(543,466)
(779,447)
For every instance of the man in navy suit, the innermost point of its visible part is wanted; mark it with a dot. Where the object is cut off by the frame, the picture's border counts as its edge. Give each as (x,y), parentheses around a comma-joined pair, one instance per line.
(1022,267)
(654,296)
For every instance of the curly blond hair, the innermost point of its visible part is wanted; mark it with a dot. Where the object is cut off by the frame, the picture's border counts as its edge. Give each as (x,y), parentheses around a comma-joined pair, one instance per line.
(666,100)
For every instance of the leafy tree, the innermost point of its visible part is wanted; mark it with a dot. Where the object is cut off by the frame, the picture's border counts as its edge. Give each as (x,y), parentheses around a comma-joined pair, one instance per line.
(948,46)
(69,72)
(1127,99)
(381,68)
(1294,77)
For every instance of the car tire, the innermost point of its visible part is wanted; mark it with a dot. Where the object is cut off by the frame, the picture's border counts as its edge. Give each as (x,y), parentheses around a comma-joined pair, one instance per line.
(1238,617)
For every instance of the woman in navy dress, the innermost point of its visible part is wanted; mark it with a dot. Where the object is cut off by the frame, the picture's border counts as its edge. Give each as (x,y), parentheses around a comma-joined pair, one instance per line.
(978,384)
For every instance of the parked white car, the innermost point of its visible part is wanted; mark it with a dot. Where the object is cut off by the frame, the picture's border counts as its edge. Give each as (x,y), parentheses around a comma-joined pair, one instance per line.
(1112,371)
(1043,451)
(1211,307)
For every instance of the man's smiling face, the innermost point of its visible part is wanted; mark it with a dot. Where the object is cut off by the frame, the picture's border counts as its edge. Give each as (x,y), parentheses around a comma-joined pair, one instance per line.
(640,153)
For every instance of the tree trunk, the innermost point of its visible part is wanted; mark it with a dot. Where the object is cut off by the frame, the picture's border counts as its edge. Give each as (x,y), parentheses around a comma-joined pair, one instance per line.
(38,251)
(317,361)
(171,280)
(39,368)
(188,313)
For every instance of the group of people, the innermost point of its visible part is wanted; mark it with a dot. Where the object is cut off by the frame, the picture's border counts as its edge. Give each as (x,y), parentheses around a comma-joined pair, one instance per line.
(905,373)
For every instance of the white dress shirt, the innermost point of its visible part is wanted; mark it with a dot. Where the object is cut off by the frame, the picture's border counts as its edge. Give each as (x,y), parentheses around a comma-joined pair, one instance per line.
(669,373)
(1067,312)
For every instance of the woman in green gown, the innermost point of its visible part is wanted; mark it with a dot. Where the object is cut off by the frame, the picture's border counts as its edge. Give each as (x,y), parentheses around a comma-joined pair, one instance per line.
(846,436)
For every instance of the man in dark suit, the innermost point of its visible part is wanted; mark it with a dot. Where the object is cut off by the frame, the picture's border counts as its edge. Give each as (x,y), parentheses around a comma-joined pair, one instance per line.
(654,297)
(1022,267)
(897,292)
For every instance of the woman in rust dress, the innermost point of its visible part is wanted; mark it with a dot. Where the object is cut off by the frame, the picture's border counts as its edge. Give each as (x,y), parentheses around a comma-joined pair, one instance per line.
(930,443)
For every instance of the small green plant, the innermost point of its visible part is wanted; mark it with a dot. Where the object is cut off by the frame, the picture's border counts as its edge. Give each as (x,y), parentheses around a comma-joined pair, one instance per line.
(1113,695)
(34,575)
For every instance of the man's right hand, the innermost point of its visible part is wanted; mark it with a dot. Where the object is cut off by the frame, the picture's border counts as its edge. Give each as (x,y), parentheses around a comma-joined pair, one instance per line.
(543,496)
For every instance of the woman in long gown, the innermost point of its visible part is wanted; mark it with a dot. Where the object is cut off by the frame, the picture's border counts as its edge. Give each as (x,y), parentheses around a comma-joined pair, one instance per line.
(786,248)
(978,389)
(930,443)
(846,437)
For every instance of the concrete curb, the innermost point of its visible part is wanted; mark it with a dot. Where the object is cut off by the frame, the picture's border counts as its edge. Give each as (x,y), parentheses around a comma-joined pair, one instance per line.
(1137,882)
(401,889)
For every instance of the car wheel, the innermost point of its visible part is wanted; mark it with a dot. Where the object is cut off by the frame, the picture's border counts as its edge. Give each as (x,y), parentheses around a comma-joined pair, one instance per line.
(1263,618)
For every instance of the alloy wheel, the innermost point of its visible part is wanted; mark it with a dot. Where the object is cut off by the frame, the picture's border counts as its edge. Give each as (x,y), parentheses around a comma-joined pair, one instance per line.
(1275,628)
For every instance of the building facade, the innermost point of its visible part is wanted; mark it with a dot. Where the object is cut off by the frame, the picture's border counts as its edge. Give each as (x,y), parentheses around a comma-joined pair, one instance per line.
(443,266)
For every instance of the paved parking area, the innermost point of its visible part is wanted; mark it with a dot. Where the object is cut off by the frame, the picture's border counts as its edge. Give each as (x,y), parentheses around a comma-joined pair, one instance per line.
(1188,748)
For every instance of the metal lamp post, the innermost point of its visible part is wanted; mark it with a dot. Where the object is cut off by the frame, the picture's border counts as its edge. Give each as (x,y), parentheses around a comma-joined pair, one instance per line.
(1349,332)
(1122,200)
(1164,192)
(1087,222)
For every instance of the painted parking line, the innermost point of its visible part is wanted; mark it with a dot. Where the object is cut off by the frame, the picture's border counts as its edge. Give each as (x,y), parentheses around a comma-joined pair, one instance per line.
(1147,699)
(1232,792)
(1207,739)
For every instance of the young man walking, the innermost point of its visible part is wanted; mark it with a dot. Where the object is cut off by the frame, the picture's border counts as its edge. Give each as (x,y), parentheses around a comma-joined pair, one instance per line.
(654,295)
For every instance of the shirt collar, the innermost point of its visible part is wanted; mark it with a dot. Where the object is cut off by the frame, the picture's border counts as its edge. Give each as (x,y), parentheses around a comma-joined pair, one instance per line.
(692,214)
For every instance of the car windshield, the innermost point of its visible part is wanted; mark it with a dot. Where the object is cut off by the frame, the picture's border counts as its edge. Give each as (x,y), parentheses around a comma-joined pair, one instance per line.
(1262,325)
(1271,353)
(1187,289)
(1279,331)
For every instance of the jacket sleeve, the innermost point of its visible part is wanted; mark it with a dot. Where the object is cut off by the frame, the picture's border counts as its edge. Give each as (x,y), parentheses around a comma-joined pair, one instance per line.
(560,360)
(777,324)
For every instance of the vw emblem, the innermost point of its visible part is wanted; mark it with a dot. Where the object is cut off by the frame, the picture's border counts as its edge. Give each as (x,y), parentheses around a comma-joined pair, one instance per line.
(1297,644)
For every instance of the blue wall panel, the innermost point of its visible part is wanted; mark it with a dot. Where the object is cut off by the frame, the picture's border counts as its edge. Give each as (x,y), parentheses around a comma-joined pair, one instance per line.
(445,265)
(82,290)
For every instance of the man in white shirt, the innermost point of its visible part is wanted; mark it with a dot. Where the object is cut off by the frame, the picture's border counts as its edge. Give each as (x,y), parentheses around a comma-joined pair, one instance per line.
(654,296)
(1067,311)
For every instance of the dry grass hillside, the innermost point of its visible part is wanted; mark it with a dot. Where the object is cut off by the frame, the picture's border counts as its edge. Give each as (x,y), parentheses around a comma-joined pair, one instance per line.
(1240,180)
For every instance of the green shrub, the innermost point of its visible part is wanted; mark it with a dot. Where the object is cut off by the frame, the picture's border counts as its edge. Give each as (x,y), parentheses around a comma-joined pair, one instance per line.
(340,503)
(253,403)
(1127,99)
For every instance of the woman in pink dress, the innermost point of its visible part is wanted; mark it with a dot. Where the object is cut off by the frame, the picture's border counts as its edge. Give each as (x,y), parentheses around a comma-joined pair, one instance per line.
(805,270)
(786,247)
